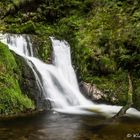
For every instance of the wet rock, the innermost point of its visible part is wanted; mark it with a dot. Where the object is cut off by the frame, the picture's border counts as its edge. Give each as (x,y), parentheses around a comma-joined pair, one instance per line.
(28,82)
(96,95)
(92,91)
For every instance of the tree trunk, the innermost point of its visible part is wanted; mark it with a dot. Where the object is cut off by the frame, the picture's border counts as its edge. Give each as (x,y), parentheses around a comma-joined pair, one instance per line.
(129,99)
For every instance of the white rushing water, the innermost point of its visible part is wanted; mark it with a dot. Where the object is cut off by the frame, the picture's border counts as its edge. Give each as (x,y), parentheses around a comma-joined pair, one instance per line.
(58,80)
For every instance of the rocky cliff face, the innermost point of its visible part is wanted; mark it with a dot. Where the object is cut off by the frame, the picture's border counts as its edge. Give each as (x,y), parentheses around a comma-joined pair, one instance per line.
(92,92)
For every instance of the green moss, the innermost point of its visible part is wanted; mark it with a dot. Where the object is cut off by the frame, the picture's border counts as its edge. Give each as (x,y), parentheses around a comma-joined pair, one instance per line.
(42,47)
(114,86)
(12,100)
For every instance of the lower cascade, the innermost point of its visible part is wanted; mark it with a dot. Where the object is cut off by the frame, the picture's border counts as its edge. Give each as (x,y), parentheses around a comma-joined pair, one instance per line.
(58,80)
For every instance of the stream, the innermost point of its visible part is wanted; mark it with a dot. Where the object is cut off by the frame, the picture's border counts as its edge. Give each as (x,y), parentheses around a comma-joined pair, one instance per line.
(57,126)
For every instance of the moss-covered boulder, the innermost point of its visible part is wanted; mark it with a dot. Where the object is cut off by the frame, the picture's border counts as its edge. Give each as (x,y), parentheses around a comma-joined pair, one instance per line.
(12,101)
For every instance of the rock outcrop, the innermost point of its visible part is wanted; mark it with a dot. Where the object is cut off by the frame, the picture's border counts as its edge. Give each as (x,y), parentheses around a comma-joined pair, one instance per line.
(95,94)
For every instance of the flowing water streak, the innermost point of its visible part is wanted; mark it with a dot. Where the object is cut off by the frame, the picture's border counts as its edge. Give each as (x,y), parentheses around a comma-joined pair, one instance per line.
(58,81)
(21,45)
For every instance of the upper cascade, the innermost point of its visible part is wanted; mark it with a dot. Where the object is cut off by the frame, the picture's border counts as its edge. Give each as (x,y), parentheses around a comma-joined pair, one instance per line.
(20,44)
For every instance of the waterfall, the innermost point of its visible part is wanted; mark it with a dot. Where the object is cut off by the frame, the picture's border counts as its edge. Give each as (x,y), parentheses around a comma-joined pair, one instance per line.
(58,81)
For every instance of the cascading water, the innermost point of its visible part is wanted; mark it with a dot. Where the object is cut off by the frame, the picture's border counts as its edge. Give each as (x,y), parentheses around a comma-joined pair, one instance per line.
(19,44)
(58,81)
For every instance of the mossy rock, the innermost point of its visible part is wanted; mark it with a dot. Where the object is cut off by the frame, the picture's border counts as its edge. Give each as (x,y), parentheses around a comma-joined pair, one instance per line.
(27,81)
(12,101)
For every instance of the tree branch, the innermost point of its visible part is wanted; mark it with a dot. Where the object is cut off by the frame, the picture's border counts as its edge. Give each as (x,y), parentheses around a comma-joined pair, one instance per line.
(129,99)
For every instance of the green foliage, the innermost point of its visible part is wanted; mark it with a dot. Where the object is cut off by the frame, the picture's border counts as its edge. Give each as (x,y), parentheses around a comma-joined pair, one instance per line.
(42,45)
(115,86)
(27,27)
(12,101)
